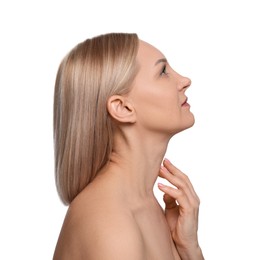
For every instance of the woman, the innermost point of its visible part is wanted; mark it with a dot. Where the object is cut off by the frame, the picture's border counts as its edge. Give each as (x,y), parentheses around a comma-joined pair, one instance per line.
(117,104)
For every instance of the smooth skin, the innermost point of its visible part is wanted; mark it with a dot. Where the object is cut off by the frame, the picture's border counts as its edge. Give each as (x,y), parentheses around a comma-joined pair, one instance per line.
(117,215)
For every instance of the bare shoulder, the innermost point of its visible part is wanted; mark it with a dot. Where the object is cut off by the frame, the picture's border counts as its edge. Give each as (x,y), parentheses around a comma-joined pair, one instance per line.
(99,227)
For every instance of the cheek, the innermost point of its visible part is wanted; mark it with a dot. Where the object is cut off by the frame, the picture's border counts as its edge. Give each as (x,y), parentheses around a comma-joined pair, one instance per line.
(164,102)
(158,108)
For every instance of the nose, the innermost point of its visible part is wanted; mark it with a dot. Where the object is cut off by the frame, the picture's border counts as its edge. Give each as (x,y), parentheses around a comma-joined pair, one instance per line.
(184,83)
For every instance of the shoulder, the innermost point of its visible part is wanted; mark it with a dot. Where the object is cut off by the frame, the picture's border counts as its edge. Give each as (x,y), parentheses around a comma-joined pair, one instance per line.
(112,236)
(100,228)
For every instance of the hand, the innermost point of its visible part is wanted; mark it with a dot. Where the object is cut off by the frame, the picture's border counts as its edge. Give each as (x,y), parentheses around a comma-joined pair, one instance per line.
(181,211)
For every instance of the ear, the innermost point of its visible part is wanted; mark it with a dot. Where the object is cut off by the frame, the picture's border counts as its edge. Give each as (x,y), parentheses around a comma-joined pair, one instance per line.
(121,109)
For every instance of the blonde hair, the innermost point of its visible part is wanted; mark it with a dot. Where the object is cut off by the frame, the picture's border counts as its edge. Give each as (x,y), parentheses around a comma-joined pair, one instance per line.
(83,130)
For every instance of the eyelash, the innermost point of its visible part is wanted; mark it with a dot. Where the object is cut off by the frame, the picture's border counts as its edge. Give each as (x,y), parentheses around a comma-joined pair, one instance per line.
(164,72)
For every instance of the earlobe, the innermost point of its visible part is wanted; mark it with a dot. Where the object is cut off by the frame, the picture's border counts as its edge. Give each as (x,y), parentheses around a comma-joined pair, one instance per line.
(120,109)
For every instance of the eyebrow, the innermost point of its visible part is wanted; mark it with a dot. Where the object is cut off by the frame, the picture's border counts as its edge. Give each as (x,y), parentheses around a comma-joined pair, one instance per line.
(160,60)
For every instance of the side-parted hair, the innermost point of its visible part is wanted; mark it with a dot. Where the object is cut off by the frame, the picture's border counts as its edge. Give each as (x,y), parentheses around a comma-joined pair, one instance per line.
(83,130)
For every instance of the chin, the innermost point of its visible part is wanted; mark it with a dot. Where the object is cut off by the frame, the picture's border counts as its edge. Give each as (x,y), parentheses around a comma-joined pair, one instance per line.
(191,121)
(188,123)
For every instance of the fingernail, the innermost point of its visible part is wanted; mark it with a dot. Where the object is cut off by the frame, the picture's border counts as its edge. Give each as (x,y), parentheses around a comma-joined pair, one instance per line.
(160,185)
(167,160)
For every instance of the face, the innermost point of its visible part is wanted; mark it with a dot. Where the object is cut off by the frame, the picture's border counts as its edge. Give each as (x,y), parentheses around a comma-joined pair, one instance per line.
(158,94)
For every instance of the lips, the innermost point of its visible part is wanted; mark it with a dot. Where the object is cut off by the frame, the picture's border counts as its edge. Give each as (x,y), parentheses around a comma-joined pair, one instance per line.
(185,102)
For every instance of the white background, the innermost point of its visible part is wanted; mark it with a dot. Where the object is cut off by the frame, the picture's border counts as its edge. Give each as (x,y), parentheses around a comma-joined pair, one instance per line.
(209,41)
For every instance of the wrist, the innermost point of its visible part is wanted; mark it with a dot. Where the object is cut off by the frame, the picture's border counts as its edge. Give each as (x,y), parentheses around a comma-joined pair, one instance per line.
(190,253)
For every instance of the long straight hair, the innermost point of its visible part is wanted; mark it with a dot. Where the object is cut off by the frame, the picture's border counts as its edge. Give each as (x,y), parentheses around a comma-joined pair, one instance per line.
(83,130)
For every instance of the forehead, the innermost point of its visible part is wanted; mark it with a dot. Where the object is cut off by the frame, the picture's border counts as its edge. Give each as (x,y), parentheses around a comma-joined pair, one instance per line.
(148,54)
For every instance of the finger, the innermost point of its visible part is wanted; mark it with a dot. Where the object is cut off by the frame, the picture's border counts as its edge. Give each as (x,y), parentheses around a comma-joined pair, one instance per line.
(169,201)
(161,175)
(176,194)
(176,181)
(182,185)
(176,172)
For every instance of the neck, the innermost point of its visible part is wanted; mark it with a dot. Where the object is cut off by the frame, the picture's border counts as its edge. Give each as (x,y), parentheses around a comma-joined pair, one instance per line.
(136,162)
